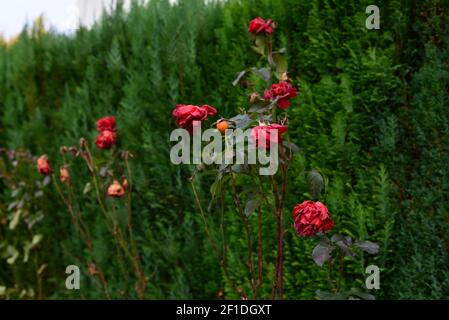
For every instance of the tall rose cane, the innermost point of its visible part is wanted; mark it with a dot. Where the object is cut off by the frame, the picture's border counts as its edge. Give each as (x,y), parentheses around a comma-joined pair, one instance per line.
(266,126)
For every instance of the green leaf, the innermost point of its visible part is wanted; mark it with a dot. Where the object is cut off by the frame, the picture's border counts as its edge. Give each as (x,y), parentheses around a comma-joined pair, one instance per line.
(12,253)
(323,295)
(281,63)
(264,73)
(16,219)
(368,246)
(251,205)
(322,253)
(87,188)
(291,146)
(239,78)
(241,121)
(260,47)
(260,106)
(46,181)
(362,295)
(316,183)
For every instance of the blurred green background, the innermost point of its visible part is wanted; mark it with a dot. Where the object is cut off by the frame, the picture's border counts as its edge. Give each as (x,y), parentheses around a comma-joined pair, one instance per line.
(372,116)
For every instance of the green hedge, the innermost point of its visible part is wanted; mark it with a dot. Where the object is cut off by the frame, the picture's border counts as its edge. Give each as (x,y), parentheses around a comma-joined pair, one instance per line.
(372,116)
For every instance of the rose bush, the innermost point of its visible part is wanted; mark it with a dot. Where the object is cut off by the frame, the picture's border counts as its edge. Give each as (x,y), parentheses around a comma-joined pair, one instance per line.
(267,120)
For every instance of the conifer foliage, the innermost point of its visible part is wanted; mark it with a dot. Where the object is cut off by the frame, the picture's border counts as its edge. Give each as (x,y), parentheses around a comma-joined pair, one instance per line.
(369,119)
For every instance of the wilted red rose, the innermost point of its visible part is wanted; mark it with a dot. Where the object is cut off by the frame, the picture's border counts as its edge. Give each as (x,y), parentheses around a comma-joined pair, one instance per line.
(311,217)
(106,123)
(264,137)
(186,114)
(43,165)
(259,25)
(283,91)
(106,139)
(116,190)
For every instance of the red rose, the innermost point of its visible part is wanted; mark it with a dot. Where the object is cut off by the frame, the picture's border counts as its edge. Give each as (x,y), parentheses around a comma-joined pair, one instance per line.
(186,114)
(263,137)
(106,139)
(311,217)
(283,91)
(259,25)
(106,123)
(43,166)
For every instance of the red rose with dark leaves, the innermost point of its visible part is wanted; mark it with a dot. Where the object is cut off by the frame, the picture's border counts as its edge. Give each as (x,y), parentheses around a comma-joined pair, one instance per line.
(259,25)
(43,166)
(283,91)
(311,217)
(106,123)
(106,139)
(186,114)
(264,137)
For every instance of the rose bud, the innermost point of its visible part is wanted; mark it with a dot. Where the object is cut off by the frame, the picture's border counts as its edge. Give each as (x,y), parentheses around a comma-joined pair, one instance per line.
(64,174)
(43,165)
(116,190)
(311,217)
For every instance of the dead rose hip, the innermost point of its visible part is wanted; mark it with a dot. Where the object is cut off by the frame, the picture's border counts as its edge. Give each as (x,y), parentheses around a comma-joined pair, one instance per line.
(283,91)
(43,166)
(186,114)
(116,190)
(106,139)
(64,175)
(106,123)
(264,137)
(259,25)
(311,217)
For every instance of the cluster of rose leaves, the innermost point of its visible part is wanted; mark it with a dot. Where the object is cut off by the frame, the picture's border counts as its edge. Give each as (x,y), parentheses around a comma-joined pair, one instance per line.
(309,217)
(106,139)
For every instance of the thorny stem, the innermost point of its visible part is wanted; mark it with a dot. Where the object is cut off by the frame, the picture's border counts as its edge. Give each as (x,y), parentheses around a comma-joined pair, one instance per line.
(130,227)
(115,231)
(223,262)
(122,242)
(259,249)
(279,200)
(203,217)
(247,232)
(84,234)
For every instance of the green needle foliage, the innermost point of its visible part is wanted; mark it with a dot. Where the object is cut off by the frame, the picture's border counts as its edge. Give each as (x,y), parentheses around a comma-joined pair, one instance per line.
(372,116)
